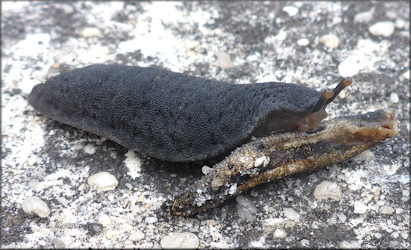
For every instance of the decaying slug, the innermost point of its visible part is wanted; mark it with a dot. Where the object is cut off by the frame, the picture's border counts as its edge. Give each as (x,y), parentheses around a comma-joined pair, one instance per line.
(176,117)
(283,154)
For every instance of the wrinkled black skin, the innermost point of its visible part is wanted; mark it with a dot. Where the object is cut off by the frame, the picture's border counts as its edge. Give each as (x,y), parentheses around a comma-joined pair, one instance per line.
(167,115)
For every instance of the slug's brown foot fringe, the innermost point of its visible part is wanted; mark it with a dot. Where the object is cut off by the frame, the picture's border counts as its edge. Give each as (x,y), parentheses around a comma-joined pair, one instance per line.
(280,155)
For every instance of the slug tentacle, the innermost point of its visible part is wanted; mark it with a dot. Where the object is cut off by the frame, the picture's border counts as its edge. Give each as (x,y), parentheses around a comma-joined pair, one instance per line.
(317,112)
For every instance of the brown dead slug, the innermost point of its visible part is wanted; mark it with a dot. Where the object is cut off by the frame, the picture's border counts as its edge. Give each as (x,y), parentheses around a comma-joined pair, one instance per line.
(176,117)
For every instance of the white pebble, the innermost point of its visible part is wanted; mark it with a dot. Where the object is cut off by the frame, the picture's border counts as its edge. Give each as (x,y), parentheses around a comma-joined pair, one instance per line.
(151,220)
(386,210)
(359,207)
(279,234)
(35,205)
(261,161)
(206,170)
(91,32)
(348,68)
(394,98)
(104,220)
(89,149)
(342,217)
(224,60)
(327,189)
(350,244)
(385,28)
(391,14)
(330,41)
(180,240)
(245,208)
(303,42)
(103,181)
(58,244)
(291,214)
(291,10)
(363,17)
(136,235)
(233,189)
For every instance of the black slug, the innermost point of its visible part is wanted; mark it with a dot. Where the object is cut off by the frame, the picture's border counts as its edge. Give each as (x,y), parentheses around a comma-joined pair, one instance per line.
(173,116)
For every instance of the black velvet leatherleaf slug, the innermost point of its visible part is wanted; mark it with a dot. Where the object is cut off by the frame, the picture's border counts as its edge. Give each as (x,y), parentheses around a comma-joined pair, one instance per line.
(176,117)
(180,118)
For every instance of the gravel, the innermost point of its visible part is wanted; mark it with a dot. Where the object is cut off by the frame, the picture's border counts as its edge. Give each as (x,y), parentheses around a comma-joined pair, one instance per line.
(44,158)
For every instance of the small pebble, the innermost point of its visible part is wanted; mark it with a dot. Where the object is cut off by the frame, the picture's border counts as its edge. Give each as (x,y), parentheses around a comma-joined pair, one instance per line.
(394,98)
(359,207)
(291,214)
(104,220)
(386,210)
(206,170)
(103,181)
(327,190)
(330,41)
(385,29)
(58,243)
(89,149)
(342,217)
(34,205)
(363,17)
(279,234)
(291,10)
(91,32)
(224,60)
(348,68)
(151,220)
(180,240)
(350,244)
(245,208)
(136,235)
(303,42)
(391,14)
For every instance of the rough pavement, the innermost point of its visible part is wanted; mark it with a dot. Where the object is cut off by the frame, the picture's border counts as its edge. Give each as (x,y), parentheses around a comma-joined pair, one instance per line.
(300,42)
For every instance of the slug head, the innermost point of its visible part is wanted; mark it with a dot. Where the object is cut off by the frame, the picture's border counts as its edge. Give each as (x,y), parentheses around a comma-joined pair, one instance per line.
(317,112)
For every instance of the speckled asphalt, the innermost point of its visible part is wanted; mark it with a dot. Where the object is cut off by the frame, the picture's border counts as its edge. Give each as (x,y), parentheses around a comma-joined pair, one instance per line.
(265,41)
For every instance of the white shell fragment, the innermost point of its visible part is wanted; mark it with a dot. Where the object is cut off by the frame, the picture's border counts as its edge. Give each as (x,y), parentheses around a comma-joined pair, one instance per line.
(180,240)
(103,181)
(385,29)
(35,205)
(327,190)
(330,41)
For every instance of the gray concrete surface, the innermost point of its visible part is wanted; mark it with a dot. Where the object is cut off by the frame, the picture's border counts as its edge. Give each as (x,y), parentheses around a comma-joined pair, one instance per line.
(266,41)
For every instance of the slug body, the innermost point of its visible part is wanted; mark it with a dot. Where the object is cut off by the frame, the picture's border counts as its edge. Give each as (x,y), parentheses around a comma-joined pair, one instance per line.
(283,154)
(176,117)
